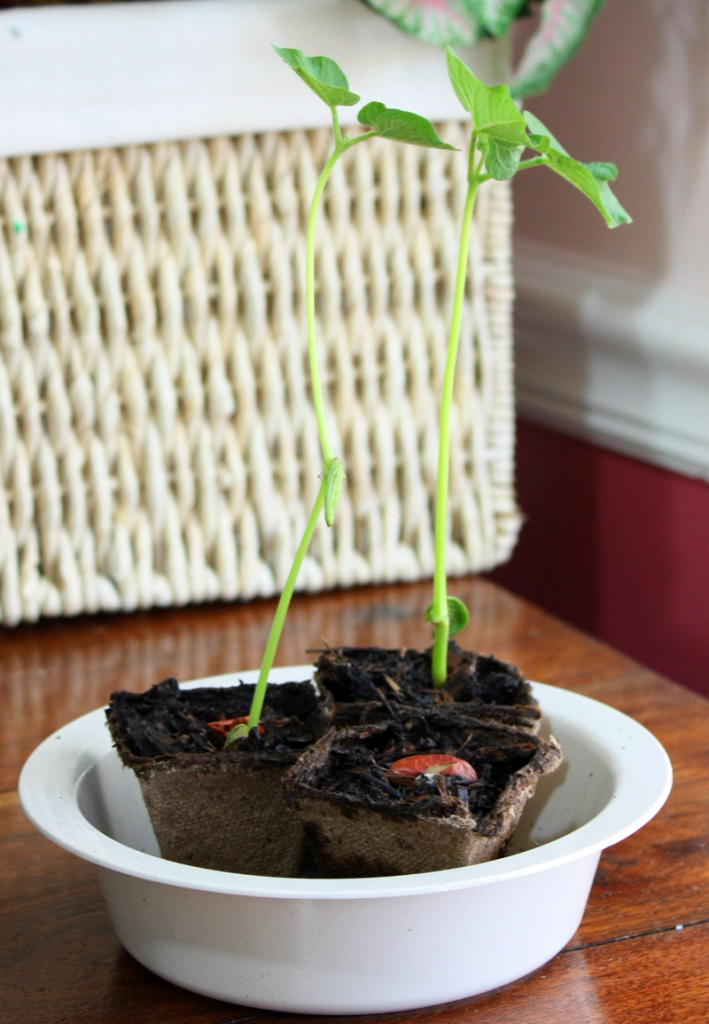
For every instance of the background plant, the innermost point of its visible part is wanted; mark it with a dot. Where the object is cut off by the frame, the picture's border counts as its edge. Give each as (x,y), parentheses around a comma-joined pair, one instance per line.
(561,30)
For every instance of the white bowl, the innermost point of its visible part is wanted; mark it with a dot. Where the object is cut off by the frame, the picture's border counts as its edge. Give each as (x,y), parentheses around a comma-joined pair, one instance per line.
(360,945)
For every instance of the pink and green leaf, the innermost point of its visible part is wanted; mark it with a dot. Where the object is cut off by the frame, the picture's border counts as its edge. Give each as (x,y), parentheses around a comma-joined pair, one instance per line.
(441,22)
(562,27)
(496,16)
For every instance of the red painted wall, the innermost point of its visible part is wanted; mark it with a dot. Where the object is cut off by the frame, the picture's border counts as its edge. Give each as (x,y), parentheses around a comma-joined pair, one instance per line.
(617,547)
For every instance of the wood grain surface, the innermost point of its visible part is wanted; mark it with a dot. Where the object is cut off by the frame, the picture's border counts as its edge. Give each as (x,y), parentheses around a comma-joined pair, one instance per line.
(640,954)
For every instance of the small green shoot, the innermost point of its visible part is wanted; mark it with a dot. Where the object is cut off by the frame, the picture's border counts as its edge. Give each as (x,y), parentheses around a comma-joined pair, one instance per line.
(239,732)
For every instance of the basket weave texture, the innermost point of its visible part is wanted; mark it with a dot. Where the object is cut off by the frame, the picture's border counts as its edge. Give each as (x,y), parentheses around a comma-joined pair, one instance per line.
(157,441)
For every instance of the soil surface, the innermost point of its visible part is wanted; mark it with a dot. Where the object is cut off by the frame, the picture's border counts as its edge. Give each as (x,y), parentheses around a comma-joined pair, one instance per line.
(356,770)
(169,721)
(359,674)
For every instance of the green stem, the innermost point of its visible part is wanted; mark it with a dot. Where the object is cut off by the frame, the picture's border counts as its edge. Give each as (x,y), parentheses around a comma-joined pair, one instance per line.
(318,402)
(281,611)
(536,161)
(342,144)
(439,666)
(336,128)
(355,139)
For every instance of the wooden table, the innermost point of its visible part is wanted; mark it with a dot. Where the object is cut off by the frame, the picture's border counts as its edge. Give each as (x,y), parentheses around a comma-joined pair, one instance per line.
(640,955)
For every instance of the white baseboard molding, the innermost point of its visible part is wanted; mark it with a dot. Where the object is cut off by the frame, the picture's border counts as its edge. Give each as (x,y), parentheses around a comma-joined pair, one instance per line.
(618,363)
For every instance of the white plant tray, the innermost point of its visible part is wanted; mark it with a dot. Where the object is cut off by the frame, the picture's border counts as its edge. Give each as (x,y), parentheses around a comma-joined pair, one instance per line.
(317,945)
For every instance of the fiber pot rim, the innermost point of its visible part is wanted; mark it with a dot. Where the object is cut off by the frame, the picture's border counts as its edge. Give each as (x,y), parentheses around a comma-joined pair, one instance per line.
(51,778)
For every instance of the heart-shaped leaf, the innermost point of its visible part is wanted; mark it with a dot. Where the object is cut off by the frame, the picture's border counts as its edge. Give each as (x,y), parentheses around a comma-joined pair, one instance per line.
(501,161)
(458,615)
(333,486)
(324,76)
(562,27)
(492,109)
(496,16)
(441,22)
(591,179)
(401,126)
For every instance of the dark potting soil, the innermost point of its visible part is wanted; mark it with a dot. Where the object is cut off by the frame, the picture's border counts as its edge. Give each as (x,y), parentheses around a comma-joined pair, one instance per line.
(168,721)
(358,674)
(356,770)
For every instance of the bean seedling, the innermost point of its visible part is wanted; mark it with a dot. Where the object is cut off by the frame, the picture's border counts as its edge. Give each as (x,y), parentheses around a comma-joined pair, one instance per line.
(500,134)
(329,83)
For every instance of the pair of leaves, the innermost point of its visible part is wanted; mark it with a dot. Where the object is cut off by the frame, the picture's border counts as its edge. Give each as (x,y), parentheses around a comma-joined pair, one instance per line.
(328,81)
(500,128)
(458,615)
(502,132)
(562,27)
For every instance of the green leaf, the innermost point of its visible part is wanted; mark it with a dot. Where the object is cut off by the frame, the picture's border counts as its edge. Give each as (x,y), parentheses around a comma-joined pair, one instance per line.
(591,179)
(458,615)
(611,209)
(333,486)
(496,16)
(441,22)
(324,76)
(562,27)
(492,108)
(401,126)
(501,161)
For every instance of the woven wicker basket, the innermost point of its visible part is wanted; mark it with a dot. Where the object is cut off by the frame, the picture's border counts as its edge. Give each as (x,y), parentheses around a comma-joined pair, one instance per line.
(157,442)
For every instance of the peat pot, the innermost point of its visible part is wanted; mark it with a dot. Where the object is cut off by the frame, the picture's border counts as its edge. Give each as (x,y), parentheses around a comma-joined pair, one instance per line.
(315,945)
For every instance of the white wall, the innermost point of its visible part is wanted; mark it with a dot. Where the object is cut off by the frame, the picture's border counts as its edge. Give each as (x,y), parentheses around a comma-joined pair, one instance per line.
(77,76)
(614,326)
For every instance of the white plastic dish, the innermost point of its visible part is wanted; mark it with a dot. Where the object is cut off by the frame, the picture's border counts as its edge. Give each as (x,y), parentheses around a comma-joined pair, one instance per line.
(362,945)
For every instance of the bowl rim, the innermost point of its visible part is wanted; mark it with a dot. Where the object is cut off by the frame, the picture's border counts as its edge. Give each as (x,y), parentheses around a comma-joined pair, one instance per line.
(51,778)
